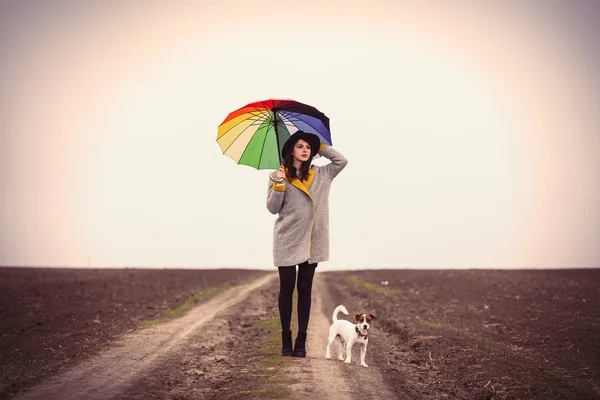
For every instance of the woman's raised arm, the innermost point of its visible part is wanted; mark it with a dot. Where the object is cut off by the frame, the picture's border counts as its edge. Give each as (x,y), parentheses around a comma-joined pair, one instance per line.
(337,164)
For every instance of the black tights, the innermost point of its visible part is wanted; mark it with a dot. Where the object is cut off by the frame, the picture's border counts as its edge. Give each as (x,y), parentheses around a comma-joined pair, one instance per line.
(287,281)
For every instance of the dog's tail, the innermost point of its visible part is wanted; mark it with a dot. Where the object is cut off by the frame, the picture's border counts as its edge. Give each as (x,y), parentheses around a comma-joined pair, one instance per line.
(337,310)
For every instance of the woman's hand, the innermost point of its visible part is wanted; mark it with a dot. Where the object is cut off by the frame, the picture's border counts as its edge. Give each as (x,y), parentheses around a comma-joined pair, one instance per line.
(281,173)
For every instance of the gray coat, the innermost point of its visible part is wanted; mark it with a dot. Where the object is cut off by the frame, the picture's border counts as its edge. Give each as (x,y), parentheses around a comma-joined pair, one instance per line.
(301,231)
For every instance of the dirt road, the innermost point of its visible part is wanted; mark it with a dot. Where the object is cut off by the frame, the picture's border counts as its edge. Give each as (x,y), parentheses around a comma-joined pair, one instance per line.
(208,343)
(439,334)
(108,374)
(333,379)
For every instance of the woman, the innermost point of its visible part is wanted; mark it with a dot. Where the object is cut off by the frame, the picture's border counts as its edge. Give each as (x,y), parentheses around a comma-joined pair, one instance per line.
(299,193)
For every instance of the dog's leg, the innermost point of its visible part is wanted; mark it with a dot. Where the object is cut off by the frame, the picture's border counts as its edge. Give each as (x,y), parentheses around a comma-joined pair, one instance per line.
(363,351)
(341,349)
(329,343)
(330,340)
(349,344)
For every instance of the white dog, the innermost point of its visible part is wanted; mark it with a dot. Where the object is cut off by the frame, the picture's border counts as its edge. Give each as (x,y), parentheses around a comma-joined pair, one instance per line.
(349,333)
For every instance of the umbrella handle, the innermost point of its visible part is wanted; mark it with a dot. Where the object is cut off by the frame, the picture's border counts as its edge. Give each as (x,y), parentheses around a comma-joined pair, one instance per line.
(279,181)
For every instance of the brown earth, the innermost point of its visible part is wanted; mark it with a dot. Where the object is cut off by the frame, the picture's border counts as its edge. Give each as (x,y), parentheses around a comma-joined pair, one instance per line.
(51,319)
(483,334)
(237,357)
(466,334)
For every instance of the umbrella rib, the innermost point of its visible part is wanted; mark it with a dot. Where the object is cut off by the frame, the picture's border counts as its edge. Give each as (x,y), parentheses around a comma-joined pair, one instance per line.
(244,152)
(262,150)
(256,117)
(289,120)
(233,141)
(259,117)
(298,119)
(259,113)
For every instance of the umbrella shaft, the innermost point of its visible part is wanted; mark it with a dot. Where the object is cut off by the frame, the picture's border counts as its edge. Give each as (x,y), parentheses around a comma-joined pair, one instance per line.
(277,135)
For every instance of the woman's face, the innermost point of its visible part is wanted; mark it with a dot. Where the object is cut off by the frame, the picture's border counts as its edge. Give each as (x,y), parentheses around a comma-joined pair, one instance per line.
(301,151)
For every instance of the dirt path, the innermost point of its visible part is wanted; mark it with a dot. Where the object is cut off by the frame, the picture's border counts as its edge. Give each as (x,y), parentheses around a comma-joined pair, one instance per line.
(106,375)
(225,348)
(332,378)
(439,335)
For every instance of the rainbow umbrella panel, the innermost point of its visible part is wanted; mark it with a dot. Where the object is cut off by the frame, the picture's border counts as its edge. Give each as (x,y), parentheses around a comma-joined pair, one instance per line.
(254,134)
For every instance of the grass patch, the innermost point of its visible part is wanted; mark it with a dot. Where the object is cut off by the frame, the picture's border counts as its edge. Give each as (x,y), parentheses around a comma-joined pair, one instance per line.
(271,346)
(182,309)
(272,361)
(371,287)
(486,345)
(276,385)
(272,323)
(273,388)
(434,325)
(269,392)
(197,297)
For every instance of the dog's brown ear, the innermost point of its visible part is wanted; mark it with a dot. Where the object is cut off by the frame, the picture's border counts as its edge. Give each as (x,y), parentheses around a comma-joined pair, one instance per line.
(372,316)
(357,316)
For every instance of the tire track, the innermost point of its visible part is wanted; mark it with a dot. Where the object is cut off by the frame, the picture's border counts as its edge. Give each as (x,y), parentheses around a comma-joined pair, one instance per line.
(109,373)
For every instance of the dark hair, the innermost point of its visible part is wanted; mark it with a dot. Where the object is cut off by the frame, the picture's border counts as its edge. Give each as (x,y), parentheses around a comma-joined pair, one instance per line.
(288,163)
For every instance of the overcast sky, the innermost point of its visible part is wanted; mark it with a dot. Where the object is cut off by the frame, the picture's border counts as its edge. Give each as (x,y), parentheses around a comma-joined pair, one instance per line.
(472,131)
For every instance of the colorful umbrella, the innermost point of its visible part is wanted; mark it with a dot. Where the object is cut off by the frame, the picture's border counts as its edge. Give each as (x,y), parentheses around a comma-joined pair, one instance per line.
(254,135)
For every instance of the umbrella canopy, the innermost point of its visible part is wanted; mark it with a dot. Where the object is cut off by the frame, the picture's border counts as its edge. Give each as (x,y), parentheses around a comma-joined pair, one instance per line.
(254,134)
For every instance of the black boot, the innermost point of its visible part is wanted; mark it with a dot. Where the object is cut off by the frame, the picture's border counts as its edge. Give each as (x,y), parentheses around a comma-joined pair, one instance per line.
(286,344)
(300,345)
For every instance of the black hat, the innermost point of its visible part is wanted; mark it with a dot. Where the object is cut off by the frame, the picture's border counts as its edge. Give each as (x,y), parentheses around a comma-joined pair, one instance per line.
(310,138)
